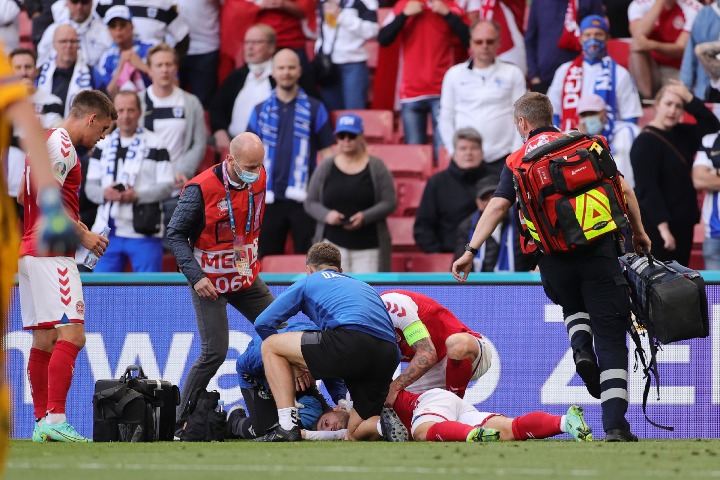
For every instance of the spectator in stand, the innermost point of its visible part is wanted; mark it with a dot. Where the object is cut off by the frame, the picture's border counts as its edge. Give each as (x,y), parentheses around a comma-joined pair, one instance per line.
(294,128)
(546,25)
(510,16)
(65,74)
(40,13)
(122,66)
(480,94)
(130,174)
(155,21)
(449,196)
(9,33)
(662,157)
(706,176)
(350,195)
(48,109)
(233,103)
(660,31)
(699,69)
(92,33)
(176,116)
(592,118)
(501,252)
(593,72)
(198,69)
(427,31)
(345,27)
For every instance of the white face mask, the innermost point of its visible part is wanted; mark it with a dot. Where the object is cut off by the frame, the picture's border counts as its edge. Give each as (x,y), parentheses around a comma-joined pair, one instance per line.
(593,124)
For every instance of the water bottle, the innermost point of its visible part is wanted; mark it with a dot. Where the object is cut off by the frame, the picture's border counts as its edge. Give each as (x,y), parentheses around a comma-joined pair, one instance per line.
(92,259)
(221,406)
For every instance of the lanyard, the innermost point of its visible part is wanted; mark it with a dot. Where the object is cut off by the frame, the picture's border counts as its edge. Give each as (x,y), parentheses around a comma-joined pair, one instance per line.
(251,202)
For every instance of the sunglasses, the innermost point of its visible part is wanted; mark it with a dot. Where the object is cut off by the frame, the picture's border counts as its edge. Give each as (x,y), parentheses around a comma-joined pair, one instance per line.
(84,2)
(346,135)
(482,41)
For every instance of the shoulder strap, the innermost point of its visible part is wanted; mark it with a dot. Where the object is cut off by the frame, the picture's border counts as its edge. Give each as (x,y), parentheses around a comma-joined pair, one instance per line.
(666,142)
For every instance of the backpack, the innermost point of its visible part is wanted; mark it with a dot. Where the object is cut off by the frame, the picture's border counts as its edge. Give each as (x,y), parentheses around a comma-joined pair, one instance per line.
(670,304)
(201,419)
(569,194)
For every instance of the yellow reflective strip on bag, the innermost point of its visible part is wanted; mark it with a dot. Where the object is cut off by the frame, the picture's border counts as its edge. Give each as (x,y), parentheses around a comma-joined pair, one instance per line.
(592,211)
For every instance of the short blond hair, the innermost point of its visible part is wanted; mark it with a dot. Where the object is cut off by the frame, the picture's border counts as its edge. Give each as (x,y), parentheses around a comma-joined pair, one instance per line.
(162,47)
(323,254)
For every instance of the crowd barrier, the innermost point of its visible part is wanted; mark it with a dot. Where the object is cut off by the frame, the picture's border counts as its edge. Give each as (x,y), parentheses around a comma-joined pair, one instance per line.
(148,319)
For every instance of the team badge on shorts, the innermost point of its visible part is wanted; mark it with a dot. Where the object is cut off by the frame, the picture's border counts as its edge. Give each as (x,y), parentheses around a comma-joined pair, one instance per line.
(59,168)
(80,307)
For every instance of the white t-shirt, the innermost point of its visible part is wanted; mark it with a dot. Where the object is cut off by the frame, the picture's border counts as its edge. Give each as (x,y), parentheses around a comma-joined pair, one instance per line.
(167,118)
(255,90)
(203,17)
(690,8)
(154,21)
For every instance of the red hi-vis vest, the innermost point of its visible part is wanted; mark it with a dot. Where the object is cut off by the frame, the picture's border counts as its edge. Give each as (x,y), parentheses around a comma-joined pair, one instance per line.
(568,190)
(213,249)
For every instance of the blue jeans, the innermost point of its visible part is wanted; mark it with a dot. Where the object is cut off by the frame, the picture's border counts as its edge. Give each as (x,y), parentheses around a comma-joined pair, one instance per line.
(198,74)
(350,92)
(145,254)
(711,253)
(414,118)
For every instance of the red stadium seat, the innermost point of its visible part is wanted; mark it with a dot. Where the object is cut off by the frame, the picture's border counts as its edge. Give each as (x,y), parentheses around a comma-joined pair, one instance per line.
(647,116)
(378,123)
(401,233)
(283,263)
(405,160)
(429,262)
(372,47)
(168,263)
(443,160)
(210,159)
(409,193)
(382,14)
(398,262)
(619,50)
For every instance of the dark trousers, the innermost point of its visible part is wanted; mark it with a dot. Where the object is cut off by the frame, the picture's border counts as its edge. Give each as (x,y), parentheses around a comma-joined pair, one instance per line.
(593,293)
(212,322)
(683,233)
(280,218)
(198,74)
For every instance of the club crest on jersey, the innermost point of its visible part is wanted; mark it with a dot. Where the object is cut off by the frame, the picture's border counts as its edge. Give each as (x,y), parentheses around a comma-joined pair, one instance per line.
(222,206)
(152,12)
(59,168)
(80,307)
(178,112)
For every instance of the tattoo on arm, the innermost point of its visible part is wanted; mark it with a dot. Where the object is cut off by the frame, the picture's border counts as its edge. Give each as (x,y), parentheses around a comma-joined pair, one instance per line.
(425,357)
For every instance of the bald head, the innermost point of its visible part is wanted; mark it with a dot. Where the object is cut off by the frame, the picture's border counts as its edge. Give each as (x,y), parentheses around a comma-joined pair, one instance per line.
(248,154)
(66,44)
(286,71)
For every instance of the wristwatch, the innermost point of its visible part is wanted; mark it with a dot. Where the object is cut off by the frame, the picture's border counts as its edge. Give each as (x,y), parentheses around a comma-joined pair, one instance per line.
(469,248)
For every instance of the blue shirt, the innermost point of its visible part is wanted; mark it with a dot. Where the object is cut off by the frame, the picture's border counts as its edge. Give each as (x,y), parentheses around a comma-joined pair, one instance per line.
(706,28)
(321,136)
(330,300)
(109,61)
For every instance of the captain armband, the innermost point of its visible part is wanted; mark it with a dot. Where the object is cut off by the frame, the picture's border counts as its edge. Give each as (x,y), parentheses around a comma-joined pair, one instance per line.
(415,331)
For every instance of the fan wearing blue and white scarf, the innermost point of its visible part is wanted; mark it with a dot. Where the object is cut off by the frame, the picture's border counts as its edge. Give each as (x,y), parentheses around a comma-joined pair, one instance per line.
(81,80)
(268,122)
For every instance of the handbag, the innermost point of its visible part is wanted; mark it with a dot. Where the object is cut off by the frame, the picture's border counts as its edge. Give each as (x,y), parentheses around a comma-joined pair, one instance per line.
(147,218)
(323,67)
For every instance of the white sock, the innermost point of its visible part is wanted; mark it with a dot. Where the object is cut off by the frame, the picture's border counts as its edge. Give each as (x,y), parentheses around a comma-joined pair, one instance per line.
(562,424)
(288,417)
(379,428)
(55,418)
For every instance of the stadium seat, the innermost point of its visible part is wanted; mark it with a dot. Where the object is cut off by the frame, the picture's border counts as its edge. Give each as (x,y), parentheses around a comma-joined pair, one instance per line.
(619,50)
(398,262)
(378,123)
(283,264)
(210,159)
(382,14)
(697,262)
(168,263)
(372,47)
(443,160)
(401,233)
(409,193)
(429,262)
(25,30)
(405,160)
(647,116)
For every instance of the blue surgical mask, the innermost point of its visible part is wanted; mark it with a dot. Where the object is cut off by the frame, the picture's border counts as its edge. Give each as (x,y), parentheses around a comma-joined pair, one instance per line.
(593,49)
(593,124)
(245,176)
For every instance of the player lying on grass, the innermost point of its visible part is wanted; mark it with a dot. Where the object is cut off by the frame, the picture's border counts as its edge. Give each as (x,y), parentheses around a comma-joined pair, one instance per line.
(440,416)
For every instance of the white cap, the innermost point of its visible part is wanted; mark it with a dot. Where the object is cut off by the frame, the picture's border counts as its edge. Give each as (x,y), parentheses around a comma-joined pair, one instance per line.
(117,11)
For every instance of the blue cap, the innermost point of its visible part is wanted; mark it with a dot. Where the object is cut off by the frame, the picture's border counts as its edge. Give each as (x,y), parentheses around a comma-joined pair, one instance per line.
(349,123)
(594,21)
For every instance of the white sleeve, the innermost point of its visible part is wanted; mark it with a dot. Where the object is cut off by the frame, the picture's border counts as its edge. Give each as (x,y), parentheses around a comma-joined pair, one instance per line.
(324,436)
(701,158)
(62,154)
(45,47)
(554,92)
(446,117)
(638,8)
(178,28)
(628,99)
(690,9)
(9,11)
(351,22)
(402,309)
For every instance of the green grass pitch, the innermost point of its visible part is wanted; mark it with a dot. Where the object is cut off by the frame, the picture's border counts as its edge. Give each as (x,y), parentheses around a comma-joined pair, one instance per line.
(539,459)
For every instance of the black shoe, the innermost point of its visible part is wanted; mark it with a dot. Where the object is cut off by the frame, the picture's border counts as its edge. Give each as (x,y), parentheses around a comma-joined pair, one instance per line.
(236,414)
(587,368)
(393,429)
(617,435)
(279,434)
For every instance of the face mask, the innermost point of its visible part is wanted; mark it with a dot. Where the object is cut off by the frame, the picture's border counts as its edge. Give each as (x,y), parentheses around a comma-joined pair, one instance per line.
(593,49)
(593,124)
(246,177)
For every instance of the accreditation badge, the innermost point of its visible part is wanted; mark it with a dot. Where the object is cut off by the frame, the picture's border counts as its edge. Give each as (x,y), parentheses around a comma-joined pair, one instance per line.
(244,255)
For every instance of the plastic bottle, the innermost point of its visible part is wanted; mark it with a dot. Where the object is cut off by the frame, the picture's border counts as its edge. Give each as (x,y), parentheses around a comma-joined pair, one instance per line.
(92,259)
(221,406)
